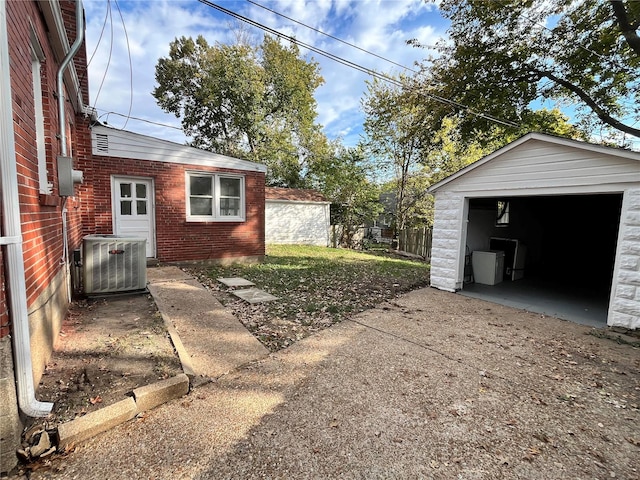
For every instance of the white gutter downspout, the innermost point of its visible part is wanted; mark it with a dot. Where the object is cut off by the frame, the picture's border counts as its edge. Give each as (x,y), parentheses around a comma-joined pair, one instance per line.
(63,131)
(13,241)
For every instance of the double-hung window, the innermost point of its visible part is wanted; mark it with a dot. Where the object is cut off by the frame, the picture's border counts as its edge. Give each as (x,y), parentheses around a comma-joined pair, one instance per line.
(215,197)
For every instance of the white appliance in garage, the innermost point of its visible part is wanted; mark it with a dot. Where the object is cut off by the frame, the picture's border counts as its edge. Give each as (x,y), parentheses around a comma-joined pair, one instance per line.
(488,267)
(515,253)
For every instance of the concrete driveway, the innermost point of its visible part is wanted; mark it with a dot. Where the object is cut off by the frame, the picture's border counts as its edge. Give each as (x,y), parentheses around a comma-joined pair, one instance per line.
(433,385)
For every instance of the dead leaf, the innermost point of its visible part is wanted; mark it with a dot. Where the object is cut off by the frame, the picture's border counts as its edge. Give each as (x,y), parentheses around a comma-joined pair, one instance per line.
(541,436)
(94,400)
(633,441)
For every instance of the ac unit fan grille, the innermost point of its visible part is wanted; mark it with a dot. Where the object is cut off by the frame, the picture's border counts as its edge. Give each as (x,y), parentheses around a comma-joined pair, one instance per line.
(113,265)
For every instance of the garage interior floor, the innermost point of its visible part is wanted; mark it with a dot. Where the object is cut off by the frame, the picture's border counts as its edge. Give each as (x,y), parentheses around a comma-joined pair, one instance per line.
(576,305)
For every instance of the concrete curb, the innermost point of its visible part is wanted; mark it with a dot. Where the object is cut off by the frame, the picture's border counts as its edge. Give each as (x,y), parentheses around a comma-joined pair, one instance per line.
(144,398)
(151,396)
(96,422)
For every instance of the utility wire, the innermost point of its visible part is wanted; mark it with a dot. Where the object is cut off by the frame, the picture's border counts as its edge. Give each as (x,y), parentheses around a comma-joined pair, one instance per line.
(129,116)
(126,36)
(332,37)
(354,65)
(110,53)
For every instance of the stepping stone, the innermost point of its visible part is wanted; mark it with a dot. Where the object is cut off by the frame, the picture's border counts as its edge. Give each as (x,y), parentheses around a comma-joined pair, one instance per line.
(254,295)
(236,282)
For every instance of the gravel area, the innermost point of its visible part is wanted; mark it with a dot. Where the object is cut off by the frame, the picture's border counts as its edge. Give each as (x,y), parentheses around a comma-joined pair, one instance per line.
(429,385)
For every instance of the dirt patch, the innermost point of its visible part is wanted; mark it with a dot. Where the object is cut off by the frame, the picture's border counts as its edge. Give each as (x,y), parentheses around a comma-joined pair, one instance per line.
(106,348)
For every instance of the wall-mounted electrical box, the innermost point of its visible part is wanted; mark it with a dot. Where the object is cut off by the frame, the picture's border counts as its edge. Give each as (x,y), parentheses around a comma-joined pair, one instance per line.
(67,177)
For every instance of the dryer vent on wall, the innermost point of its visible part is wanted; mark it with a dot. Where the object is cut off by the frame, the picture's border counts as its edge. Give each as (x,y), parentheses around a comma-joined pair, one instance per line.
(114,264)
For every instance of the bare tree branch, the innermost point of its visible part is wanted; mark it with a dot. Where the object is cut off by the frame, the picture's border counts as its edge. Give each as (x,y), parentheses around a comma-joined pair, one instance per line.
(597,109)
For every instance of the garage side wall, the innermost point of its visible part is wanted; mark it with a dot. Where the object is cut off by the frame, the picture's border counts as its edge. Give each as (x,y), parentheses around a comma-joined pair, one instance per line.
(288,222)
(445,250)
(624,309)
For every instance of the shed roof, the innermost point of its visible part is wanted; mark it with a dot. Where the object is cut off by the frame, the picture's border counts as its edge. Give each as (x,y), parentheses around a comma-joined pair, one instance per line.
(294,194)
(540,137)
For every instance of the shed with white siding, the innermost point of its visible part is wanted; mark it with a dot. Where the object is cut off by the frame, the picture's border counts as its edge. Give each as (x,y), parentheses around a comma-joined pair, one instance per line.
(296,216)
(572,208)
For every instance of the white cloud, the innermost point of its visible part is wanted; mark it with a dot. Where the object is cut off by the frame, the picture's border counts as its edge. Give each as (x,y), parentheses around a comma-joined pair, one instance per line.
(381,26)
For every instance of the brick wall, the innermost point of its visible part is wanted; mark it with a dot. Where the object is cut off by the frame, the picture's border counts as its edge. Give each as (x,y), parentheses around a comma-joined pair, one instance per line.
(625,305)
(176,239)
(41,216)
(446,241)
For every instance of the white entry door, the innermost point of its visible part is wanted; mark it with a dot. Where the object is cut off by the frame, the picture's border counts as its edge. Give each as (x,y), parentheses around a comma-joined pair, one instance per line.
(133,209)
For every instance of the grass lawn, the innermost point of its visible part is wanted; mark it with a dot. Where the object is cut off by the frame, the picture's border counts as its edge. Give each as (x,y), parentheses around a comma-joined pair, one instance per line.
(315,286)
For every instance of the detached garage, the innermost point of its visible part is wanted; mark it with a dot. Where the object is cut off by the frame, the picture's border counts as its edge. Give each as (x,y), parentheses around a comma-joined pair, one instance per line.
(296,216)
(547,224)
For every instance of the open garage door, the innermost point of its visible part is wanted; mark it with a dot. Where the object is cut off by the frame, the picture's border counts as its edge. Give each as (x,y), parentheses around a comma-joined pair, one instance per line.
(567,246)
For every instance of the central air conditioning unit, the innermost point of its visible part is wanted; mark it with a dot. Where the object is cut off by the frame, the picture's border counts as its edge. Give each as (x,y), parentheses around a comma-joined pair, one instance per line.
(114,264)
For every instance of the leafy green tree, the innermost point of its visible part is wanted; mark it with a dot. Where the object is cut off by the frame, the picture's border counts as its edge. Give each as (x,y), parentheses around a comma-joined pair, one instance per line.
(343,177)
(393,138)
(501,56)
(253,102)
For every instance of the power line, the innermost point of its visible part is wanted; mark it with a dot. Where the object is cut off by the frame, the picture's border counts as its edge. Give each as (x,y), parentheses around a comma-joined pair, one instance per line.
(110,53)
(126,36)
(354,65)
(129,116)
(333,37)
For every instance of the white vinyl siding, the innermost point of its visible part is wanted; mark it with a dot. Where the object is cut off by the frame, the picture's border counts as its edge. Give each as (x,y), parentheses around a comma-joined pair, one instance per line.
(110,142)
(214,197)
(547,168)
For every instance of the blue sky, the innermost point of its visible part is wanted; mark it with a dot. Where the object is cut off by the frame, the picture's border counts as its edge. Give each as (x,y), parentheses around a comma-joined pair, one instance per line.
(379,26)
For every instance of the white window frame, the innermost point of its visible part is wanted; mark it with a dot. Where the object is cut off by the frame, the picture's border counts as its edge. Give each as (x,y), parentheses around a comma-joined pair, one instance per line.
(37,57)
(215,216)
(502,213)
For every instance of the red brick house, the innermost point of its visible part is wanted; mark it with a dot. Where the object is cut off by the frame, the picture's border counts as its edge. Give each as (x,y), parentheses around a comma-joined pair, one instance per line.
(190,204)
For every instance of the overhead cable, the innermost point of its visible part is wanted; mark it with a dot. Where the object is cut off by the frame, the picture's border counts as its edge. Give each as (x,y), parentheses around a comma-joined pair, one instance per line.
(354,65)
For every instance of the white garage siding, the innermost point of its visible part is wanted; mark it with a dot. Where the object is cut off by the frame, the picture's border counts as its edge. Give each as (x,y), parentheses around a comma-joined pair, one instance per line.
(291,222)
(446,241)
(543,165)
(624,309)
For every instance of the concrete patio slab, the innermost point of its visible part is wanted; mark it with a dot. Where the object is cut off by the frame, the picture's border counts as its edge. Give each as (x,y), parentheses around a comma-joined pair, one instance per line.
(166,274)
(236,282)
(254,295)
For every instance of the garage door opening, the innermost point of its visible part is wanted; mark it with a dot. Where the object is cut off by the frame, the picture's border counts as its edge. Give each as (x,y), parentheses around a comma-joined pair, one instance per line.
(560,253)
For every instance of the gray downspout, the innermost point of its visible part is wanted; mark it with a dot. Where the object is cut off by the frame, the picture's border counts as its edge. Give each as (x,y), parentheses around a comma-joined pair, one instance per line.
(13,240)
(65,62)
(62,132)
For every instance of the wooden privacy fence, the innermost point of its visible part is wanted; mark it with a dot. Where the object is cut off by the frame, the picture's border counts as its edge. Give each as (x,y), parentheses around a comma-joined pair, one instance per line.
(416,241)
